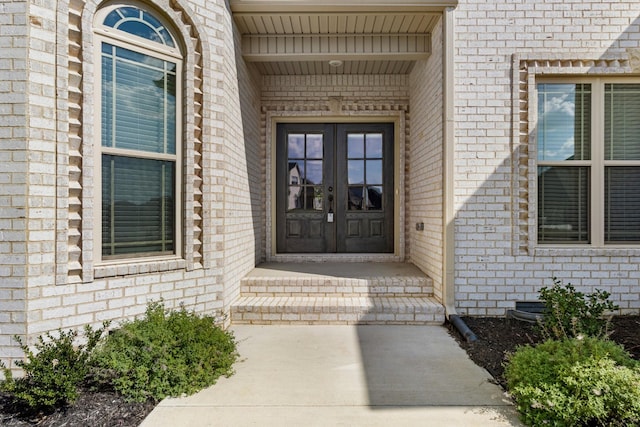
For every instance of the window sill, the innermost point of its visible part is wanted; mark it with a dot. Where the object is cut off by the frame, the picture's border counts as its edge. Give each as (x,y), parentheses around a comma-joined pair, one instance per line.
(586,251)
(138,266)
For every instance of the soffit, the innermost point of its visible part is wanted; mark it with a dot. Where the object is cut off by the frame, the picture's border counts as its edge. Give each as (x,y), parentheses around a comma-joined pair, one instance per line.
(368,37)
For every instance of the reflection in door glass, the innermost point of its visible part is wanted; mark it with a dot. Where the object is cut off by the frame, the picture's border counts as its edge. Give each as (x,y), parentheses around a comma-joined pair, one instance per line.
(356,198)
(305,154)
(314,146)
(374,145)
(364,171)
(374,197)
(356,172)
(314,172)
(374,171)
(318,198)
(296,146)
(355,145)
(295,200)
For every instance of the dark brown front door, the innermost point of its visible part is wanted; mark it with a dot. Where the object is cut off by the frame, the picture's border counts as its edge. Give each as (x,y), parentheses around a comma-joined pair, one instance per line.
(334,188)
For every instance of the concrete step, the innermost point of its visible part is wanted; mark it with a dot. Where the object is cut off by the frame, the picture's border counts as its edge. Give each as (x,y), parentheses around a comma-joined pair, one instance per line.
(405,310)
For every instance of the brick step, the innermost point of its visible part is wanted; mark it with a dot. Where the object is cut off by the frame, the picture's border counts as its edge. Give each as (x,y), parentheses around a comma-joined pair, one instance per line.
(337,310)
(329,286)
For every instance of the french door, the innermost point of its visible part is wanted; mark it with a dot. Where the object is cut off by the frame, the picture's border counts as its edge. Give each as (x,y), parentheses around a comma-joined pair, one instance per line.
(334,188)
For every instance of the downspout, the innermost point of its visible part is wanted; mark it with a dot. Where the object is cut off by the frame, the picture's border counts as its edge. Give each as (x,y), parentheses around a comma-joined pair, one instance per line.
(448,206)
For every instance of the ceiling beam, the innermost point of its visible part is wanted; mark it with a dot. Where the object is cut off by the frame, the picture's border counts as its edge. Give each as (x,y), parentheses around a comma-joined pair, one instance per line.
(321,47)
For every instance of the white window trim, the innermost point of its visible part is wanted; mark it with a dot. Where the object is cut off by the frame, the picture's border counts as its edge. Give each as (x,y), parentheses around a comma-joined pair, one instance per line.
(163,52)
(597,162)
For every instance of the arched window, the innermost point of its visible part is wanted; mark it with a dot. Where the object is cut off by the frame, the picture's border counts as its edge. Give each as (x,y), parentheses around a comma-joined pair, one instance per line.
(140,119)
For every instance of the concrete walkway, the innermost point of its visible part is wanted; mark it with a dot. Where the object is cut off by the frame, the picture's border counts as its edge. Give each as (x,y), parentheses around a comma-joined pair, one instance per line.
(344,376)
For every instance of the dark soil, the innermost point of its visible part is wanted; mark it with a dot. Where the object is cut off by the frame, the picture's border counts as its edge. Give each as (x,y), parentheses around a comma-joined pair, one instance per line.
(497,337)
(93,408)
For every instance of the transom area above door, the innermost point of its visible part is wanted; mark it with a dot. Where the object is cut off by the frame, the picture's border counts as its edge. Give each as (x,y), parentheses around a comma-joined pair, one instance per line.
(297,37)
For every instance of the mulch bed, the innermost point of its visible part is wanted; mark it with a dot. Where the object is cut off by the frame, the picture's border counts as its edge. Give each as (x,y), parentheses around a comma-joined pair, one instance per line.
(93,408)
(497,337)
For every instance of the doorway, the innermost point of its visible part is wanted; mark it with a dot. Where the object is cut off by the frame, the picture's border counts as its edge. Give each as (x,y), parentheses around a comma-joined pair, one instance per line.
(334,188)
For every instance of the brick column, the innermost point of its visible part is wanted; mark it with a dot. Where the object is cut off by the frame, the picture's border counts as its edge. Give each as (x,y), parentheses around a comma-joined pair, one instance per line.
(14,166)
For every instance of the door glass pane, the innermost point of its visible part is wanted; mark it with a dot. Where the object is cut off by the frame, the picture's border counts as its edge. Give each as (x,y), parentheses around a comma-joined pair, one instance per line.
(314,146)
(622,121)
(374,171)
(356,195)
(563,203)
(296,172)
(564,125)
(305,153)
(296,146)
(296,175)
(622,204)
(356,172)
(374,198)
(295,199)
(314,172)
(318,198)
(355,146)
(374,146)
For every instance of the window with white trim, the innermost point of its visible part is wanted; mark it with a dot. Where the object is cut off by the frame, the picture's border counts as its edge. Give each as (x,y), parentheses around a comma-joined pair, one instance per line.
(139,116)
(588,158)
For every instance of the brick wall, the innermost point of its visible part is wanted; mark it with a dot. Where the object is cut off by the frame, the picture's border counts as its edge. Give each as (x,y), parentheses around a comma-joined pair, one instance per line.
(493,266)
(14,167)
(425,164)
(243,166)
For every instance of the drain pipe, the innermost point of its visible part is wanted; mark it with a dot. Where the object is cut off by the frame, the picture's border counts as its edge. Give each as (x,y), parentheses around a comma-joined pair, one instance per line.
(448,205)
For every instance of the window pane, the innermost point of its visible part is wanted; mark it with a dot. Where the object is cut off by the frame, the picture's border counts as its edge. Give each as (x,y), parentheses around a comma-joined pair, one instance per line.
(356,171)
(563,203)
(140,23)
(138,101)
(295,145)
(295,199)
(355,145)
(622,121)
(138,197)
(374,146)
(356,195)
(314,172)
(622,204)
(374,198)
(564,125)
(314,146)
(374,171)
(318,198)
(296,171)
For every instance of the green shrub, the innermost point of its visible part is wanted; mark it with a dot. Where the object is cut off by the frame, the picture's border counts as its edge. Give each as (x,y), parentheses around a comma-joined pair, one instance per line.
(569,313)
(165,353)
(575,382)
(54,371)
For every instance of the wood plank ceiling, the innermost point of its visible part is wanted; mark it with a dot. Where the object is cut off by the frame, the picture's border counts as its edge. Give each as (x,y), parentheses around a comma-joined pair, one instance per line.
(302,37)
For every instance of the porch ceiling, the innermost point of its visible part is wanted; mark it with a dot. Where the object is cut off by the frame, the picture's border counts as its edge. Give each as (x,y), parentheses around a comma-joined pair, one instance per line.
(298,37)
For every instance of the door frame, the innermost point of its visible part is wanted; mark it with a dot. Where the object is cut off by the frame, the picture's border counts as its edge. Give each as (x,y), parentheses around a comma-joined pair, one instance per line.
(398,120)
